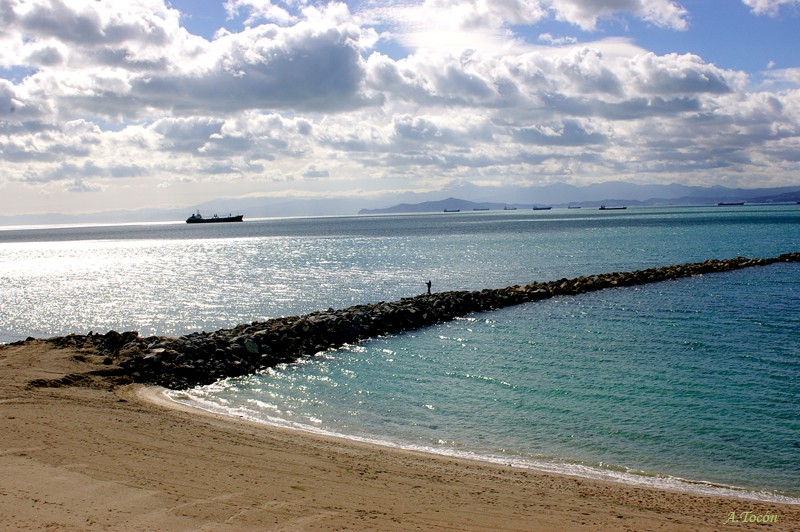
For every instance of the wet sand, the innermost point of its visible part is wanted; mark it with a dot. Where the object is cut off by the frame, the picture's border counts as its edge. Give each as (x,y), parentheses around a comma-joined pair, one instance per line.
(80,454)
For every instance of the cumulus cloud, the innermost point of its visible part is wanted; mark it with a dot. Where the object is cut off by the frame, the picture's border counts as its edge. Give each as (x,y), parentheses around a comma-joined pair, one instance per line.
(87,32)
(587,13)
(679,74)
(302,95)
(458,24)
(127,59)
(304,67)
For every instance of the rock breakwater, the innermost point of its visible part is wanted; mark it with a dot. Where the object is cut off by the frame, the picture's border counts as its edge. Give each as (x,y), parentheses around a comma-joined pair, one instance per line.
(203,357)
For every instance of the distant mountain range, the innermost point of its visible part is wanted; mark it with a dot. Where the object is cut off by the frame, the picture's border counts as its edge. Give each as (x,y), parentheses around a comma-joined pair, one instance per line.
(611,193)
(464,196)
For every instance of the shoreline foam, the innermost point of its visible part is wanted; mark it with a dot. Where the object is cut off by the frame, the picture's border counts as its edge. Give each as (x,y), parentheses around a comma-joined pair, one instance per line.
(615,474)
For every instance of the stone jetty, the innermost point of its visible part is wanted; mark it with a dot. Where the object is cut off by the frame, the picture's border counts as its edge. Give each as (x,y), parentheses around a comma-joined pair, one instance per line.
(204,357)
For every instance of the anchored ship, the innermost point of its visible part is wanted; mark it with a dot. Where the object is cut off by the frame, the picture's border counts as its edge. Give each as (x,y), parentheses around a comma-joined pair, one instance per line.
(197,218)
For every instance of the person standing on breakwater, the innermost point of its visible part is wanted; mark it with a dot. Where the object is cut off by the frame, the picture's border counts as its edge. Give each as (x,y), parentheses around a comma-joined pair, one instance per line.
(429,286)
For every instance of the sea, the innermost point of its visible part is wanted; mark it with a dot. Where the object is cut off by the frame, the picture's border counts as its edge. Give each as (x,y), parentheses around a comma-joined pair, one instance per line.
(691,384)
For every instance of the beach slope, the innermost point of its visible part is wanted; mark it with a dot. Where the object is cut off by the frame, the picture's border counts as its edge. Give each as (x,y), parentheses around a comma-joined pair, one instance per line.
(78,452)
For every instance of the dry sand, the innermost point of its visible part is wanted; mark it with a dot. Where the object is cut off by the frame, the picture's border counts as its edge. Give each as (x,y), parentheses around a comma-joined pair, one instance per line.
(85,456)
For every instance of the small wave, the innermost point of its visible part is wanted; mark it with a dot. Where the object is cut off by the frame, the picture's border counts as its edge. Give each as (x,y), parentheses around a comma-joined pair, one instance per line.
(484,378)
(600,472)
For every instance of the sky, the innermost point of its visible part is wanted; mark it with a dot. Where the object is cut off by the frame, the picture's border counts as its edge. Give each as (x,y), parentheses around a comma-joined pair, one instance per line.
(130,104)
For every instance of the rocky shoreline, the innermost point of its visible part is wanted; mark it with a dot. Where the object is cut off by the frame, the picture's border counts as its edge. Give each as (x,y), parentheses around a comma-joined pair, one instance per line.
(204,357)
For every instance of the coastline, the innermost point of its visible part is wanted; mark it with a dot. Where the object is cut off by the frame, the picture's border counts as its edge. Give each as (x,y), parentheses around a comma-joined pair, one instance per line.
(613,474)
(79,452)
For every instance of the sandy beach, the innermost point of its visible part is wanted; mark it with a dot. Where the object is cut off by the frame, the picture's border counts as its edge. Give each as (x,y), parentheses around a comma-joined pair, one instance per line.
(77,453)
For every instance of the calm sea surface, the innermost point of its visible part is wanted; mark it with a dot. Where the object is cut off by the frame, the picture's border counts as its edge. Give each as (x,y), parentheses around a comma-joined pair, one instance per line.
(695,379)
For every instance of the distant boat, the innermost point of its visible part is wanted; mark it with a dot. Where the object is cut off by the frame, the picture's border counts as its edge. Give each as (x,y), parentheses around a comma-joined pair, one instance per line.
(604,208)
(452,210)
(481,209)
(573,206)
(729,203)
(198,219)
(541,208)
(507,208)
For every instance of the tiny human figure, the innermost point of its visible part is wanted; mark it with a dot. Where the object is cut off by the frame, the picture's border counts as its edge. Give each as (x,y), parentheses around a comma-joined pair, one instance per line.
(429,287)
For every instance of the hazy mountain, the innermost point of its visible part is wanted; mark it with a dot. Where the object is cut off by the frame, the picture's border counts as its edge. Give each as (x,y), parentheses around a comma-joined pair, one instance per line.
(450,204)
(464,196)
(561,193)
(612,193)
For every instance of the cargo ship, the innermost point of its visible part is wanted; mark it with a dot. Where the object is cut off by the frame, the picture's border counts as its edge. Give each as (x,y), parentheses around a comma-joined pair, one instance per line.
(198,219)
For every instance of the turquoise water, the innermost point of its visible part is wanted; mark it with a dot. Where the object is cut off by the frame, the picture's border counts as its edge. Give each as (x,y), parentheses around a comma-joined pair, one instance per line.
(693,379)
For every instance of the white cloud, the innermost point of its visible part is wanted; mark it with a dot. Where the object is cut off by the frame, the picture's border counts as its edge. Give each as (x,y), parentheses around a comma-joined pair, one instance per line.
(305,104)
(785,75)
(87,32)
(454,25)
(95,62)
(587,13)
(549,39)
(78,185)
(679,74)
(448,25)
(259,10)
(769,7)
(303,67)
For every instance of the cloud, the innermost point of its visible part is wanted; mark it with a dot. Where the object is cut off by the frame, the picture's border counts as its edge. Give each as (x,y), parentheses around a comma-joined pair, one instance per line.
(72,140)
(679,74)
(313,172)
(587,13)
(91,23)
(582,75)
(188,134)
(136,60)
(467,80)
(79,185)
(769,7)
(549,39)
(88,32)
(104,59)
(259,10)
(570,133)
(455,25)
(304,68)
(785,75)
(308,100)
